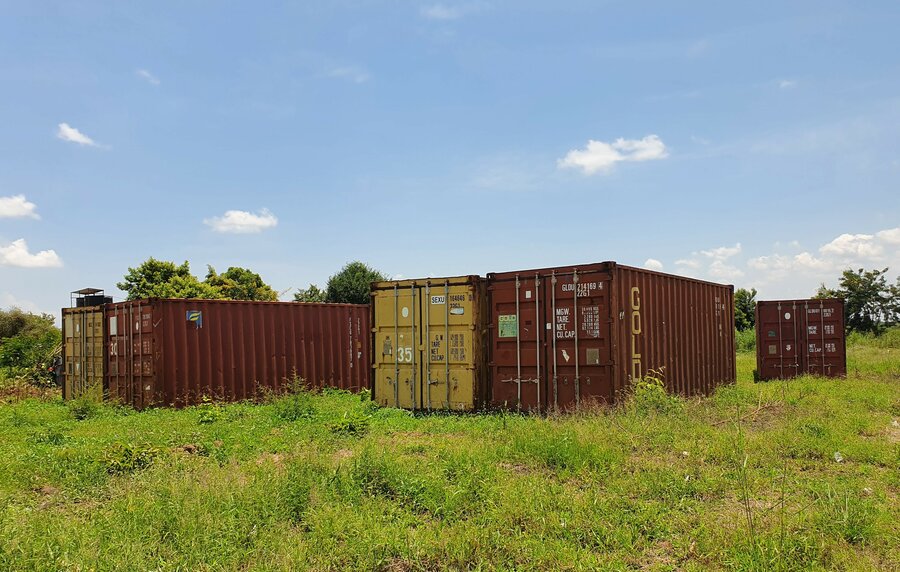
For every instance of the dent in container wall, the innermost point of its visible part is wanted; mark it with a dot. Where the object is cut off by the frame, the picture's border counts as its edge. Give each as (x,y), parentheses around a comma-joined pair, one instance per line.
(566,335)
(427,340)
(174,352)
(796,337)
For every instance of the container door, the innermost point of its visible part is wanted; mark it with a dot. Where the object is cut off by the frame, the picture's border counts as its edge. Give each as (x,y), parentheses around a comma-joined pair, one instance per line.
(130,367)
(396,314)
(824,350)
(519,379)
(448,373)
(580,330)
(83,330)
(780,329)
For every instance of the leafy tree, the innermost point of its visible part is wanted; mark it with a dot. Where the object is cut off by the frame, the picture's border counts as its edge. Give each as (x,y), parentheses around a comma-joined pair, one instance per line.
(240,284)
(149,278)
(311,294)
(870,303)
(744,309)
(28,344)
(14,322)
(352,284)
(184,287)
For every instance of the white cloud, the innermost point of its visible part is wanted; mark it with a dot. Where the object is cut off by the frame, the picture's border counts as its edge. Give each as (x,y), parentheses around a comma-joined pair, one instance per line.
(16,254)
(722,252)
(890,236)
(688,263)
(787,84)
(854,246)
(147,76)
(68,133)
(444,12)
(653,264)
(17,206)
(349,73)
(599,156)
(242,222)
(441,12)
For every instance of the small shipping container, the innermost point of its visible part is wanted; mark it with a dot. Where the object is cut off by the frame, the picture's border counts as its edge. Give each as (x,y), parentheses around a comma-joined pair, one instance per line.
(174,352)
(796,337)
(82,350)
(562,336)
(428,345)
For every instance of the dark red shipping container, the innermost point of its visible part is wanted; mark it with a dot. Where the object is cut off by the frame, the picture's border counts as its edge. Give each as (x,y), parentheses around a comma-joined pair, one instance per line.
(796,337)
(174,352)
(562,336)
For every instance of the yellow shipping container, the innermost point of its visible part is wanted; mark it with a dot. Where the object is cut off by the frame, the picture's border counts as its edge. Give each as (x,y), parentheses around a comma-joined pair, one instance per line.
(82,350)
(428,343)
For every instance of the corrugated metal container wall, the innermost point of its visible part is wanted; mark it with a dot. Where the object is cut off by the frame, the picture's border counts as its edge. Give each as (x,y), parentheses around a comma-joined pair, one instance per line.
(428,343)
(174,352)
(796,337)
(560,336)
(82,350)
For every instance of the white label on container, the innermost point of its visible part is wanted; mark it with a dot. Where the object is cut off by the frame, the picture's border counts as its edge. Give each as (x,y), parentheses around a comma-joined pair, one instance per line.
(113,326)
(438,300)
(404,312)
(528,294)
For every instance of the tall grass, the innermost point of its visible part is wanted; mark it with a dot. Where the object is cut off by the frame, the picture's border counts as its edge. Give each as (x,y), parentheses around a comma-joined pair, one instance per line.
(746,479)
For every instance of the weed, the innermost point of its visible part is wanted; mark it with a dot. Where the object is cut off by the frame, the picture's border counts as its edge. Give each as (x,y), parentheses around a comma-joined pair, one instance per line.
(297,404)
(649,395)
(83,407)
(209,411)
(353,424)
(122,458)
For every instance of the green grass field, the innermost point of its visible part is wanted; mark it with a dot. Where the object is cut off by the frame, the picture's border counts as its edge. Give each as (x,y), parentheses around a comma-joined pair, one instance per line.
(776,476)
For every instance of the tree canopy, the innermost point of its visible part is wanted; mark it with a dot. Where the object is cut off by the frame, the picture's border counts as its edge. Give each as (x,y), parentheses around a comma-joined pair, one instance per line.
(311,294)
(238,283)
(164,279)
(352,284)
(744,309)
(870,303)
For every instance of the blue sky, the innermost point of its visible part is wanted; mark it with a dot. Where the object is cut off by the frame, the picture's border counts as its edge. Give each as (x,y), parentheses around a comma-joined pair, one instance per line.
(756,144)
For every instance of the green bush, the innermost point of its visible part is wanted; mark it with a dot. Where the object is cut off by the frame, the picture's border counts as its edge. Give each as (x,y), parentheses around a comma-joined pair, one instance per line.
(83,407)
(649,395)
(745,341)
(889,339)
(31,355)
(121,458)
(210,412)
(297,404)
(353,424)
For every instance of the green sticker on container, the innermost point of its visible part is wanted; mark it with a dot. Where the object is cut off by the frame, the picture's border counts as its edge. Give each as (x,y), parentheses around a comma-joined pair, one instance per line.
(508,326)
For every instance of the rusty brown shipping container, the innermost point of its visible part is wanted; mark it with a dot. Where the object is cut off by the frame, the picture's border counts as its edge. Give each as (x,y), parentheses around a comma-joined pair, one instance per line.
(567,335)
(174,352)
(797,337)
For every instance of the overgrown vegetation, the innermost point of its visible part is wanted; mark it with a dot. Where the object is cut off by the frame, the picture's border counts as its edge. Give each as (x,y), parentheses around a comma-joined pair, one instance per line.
(796,475)
(29,346)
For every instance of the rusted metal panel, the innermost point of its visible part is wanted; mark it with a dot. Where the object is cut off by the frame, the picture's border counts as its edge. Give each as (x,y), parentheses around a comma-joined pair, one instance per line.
(428,343)
(567,335)
(797,337)
(174,352)
(82,350)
